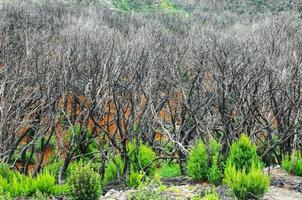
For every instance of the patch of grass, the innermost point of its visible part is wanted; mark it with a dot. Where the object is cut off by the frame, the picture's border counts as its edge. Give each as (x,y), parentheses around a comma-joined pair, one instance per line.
(147,5)
(211,195)
(114,167)
(169,170)
(293,163)
(168,5)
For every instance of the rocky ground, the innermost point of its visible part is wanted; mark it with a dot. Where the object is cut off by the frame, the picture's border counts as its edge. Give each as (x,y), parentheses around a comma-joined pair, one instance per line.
(284,186)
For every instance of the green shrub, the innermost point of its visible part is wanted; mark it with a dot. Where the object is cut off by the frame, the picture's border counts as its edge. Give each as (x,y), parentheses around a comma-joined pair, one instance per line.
(40,196)
(46,184)
(141,157)
(196,197)
(215,174)
(5,171)
(293,163)
(211,195)
(298,168)
(286,163)
(133,5)
(202,164)
(169,170)
(246,184)
(17,184)
(3,183)
(135,179)
(84,184)
(197,164)
(111,169)
(54,168)
(3,195)
(215,170)
(242,154)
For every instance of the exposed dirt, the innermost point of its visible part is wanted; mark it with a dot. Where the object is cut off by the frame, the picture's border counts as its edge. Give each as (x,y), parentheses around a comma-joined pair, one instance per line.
(284,186)
(276,193)
(282,179)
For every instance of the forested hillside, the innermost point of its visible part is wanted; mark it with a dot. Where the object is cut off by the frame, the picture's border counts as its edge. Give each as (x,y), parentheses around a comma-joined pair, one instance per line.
(98,95)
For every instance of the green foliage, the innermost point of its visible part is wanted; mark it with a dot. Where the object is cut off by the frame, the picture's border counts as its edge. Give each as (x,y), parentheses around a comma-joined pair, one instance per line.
(40,196)
(3,195)
(197,163)
(92,149)
(135,179)
(242,154)
(293,163)
(52,143)
(73,131)
(111,170)
(5,171)
(46,184)
(54,168)
(246,184)
(142,157)
(286,163)
(145,5)
(215,174)
(203,164)
(169,170)
(84,184)
(211,195)
(28,157)
(133,5)
(3,185)
(16,184)
(215,170)
(196,197)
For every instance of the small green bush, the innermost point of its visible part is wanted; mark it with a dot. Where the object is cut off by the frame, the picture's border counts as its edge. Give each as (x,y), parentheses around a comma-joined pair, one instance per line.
(211,195)
(40,196)
(3,184)
(111,169)
(16,184)
(46,184)
(293,163)
(197,163)
(135,179)
(215,170)
(246,184)
(20,185)
(141,157)
(202,164)
(215,174)
(242,154)
(54,168)
(5,171)
(3,195)
(84,184)
(169,170)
